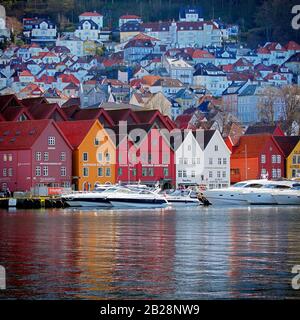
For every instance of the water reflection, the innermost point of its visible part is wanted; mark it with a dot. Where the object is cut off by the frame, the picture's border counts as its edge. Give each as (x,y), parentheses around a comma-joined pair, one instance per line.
(183,254)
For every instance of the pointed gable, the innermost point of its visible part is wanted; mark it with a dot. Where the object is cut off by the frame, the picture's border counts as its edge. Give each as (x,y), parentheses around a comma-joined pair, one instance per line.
(47,111)
(9,100)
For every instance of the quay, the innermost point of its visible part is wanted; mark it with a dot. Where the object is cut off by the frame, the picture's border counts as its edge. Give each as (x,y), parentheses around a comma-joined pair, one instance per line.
(31,203)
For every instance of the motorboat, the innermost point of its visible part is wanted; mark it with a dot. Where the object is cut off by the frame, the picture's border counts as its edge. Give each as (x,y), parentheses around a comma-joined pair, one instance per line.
(117,196)
(288,197)
(265,195)
(94,198)
(185,197)
(233,195)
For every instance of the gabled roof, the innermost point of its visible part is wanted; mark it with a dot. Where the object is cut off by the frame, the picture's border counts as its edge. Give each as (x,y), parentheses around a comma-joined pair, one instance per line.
(13,113)
(9,99)
(92,114)
(45,111)
(18,135)
(263,129)
(122,115)
(149,117)
(28,102)
(76,131)
(287,144)
(250,146)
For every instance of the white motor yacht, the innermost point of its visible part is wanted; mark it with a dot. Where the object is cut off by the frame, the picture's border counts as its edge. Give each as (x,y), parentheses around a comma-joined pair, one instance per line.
(288,197)
(183,198)
(233,195)
(264,195)
(116,196)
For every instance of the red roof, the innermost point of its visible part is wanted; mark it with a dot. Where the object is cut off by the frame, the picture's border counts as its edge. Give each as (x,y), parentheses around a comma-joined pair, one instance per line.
(253,144)
(76,131)
(69,78)
(46,111)
(122,115)
(201,54)
(13,113)
(25,73)
(292,45)
(8,100)
(92,114)
(287,144)
(130,16)
(90,14)
(182,121)
(21,135)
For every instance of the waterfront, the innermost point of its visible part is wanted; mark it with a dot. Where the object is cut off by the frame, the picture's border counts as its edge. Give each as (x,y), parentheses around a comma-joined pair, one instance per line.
(204,253)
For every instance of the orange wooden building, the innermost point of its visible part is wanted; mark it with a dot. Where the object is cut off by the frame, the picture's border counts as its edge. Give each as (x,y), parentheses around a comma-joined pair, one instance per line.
(94,155)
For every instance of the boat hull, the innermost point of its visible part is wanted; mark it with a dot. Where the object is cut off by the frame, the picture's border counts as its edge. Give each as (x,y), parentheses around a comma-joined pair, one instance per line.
(138,203)
(260,199)
(284,199)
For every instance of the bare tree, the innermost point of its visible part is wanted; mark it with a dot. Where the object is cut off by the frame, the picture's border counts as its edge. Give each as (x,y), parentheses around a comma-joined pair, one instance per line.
(290,112)
(268,98)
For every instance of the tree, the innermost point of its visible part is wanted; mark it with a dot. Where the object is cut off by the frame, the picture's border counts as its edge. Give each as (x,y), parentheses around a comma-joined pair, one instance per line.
(268,99)
(290,112)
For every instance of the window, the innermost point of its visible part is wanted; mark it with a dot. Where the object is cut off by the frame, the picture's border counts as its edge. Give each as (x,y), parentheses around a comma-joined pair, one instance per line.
(10,172)
(219,174)
(51,141)
(166,172)
(198,161)
(273,158)
(210,160)
(274,173)
(298,159)
(120,171)
(224,160)
(278,158)
(219,160)
(38,156)
(185,161)
(216,148)
(10,157)
(45,171)
(144,172)
(46,156)
(179,174)
(5,157)
(151,172)
(294,159)
(107,157)
(4,172)
(38,171)
(210,174)
(193,174)
(63,171)
(107,172)
(184,174)
(99,156)
(63,156)
(100,172)
(278,173)
(224,174)
(263,158)
(96,142)
(85,172)
(133,172)
(85,156)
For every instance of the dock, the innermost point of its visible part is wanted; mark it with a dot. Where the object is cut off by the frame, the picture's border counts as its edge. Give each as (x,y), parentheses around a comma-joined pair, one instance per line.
(31,203)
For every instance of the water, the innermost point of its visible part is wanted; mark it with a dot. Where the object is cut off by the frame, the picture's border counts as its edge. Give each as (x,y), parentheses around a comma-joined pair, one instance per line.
(204,253)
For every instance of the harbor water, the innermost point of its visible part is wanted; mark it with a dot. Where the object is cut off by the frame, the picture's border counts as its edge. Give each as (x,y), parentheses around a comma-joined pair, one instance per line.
(185,253)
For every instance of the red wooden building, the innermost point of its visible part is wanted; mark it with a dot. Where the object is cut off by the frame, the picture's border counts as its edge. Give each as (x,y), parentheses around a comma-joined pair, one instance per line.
(256,156)
(34,153)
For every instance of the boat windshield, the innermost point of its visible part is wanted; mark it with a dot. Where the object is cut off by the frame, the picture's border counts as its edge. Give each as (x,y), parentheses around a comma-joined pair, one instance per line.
(254,185)
(276,186)
(239,185)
